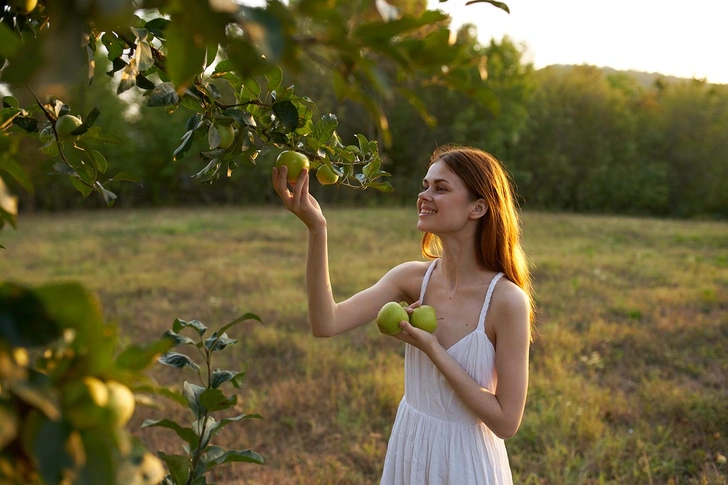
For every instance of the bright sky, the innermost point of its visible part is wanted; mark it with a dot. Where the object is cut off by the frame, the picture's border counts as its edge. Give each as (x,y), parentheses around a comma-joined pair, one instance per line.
(680,38)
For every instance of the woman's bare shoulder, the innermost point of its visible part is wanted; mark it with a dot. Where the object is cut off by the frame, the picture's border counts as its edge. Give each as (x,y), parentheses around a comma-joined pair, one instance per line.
(510,301)
(409,276)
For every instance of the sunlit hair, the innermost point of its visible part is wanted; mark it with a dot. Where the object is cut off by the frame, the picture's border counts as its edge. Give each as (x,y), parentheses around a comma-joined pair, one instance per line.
(498,235)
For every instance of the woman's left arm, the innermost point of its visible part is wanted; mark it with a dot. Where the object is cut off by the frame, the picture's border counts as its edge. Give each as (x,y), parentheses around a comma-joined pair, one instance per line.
(501,411)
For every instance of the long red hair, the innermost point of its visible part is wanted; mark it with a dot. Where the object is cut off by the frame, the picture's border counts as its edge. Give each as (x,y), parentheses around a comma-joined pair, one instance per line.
(498,236)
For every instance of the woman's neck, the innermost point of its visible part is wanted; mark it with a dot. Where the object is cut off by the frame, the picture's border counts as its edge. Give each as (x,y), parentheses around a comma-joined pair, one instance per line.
(459,262)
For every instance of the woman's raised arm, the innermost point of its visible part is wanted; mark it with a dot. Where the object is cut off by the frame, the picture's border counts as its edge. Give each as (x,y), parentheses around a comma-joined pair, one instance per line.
(325,316)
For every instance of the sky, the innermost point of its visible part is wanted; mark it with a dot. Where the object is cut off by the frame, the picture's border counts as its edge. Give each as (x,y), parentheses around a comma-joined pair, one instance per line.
(681,38)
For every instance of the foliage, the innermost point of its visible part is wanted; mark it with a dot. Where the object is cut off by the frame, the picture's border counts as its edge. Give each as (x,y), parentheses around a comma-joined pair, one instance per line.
(203,400)
(61,421)
(223,61)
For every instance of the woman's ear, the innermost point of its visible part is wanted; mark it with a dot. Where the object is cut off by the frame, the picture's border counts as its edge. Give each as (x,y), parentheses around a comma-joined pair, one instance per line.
(479,209)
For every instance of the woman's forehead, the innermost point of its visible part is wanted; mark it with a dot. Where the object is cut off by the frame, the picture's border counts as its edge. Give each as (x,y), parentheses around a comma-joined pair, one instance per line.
(440,171)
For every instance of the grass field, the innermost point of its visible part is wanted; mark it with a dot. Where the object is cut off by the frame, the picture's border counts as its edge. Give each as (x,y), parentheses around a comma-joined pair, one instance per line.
(629,371)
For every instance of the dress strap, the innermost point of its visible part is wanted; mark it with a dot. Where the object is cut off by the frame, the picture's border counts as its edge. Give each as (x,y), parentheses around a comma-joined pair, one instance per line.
(426,279)
(486,304)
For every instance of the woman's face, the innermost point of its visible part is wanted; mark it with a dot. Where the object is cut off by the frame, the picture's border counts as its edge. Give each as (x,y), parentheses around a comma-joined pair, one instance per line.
(444,204)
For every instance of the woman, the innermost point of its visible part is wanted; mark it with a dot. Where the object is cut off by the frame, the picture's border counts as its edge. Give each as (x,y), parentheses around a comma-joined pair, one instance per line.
(456,410)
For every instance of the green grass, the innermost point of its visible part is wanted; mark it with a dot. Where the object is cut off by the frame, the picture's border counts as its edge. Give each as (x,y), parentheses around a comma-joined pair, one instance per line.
(629,371)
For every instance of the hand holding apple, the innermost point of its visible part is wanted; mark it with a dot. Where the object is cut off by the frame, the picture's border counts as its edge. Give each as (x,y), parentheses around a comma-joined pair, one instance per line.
(295,162)
(392,313)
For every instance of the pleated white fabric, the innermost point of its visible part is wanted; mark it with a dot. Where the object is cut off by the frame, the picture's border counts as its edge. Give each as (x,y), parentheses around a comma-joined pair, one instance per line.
(436,439)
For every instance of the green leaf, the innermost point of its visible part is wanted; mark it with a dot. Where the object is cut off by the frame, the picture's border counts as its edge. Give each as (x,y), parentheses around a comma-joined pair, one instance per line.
(185,433)
(140,357)
(99,161)
(164,94)
(11,166)
(219,425)
(126,176)
(178,466)
(143,56)
(114,46)
(27,123)
(128,77)
(243,118)
(216,343)
(180,361)
(247,456)
(157,26)
(196,324)
(274,78)
(10,102)
(325,128)
(363,143)
(183,147)
(192,392)
(211,54)
(109,196)
(214,400)
(144,83)
(242,318)
(178,339)
(381,186)
(95,134)
(287,115)
(220,376)
(500,5)
(81,187)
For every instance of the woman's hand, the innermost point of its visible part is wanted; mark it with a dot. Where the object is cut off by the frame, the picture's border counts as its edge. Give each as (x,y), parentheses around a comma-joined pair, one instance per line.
(300,202)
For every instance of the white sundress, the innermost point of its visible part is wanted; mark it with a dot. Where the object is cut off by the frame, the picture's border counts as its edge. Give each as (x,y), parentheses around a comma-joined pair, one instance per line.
(436,439)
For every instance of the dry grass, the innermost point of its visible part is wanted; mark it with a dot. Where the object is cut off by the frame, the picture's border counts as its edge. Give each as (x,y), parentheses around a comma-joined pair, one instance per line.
(629,370)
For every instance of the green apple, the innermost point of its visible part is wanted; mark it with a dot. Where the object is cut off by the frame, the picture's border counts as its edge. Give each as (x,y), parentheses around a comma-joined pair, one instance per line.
(295,162)
(326,176)
(227,135)
(389,317)
(121,403)
(66,124)
(85,401)
(424,317)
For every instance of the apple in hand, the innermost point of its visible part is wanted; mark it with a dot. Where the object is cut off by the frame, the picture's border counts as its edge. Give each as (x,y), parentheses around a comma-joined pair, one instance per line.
(295,162)
(389,317)
(424,317)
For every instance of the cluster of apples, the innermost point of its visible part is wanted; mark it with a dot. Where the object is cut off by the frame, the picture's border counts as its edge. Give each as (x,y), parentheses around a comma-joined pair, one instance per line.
(422,317)
(296,162)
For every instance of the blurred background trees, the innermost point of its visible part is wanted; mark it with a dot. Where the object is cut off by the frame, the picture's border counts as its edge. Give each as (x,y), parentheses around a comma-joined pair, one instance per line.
(575,138)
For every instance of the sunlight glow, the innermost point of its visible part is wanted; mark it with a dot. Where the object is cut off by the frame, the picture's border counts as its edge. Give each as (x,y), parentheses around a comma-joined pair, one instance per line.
(683,39)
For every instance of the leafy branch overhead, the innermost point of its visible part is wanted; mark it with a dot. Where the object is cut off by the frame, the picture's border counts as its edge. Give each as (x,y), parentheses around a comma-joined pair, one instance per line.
(225,63)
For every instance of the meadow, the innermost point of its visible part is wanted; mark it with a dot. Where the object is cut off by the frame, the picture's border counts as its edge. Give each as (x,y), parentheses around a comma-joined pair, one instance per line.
(629,369)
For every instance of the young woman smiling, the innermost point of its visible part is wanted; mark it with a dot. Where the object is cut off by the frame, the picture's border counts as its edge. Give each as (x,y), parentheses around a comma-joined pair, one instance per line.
(466,383)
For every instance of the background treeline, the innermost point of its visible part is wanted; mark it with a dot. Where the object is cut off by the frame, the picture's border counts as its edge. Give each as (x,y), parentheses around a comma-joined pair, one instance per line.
(575,138)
